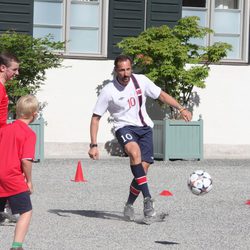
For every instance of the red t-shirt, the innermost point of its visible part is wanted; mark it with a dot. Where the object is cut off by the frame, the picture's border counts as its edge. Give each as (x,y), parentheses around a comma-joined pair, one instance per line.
(4,101)
(17,142)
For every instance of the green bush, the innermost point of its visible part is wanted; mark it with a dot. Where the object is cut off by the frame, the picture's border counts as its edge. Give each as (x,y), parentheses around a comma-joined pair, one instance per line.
(36,56)
(171,59)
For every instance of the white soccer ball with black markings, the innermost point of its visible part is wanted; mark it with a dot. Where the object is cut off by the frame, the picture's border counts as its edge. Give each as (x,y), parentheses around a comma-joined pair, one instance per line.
(200,182)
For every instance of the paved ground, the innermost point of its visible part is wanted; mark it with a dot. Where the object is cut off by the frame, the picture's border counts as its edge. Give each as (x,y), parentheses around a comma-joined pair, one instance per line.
(69,215)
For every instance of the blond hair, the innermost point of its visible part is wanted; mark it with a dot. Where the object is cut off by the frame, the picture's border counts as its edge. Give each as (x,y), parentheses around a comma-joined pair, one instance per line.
(27,106)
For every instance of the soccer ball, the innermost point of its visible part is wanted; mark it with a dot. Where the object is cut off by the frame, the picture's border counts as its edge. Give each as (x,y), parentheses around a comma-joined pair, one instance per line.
(200,182)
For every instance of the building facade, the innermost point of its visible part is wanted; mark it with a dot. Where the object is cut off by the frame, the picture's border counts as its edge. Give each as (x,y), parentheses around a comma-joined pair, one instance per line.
(92,29)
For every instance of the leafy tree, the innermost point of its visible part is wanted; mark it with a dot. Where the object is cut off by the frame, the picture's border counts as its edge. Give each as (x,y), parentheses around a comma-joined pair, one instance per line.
(171,58)
(36,56)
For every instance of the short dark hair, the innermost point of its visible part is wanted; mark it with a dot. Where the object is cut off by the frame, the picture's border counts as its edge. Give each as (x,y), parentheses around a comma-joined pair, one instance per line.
(6,58)
(122,58)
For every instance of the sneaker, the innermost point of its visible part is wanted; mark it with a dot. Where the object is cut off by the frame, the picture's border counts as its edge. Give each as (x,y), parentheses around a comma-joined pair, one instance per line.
(12,218)
(149,210)
(2,217)
(6,218)
(129,212)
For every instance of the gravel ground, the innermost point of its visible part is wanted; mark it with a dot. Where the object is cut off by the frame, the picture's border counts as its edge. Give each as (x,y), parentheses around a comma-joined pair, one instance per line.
(69,215)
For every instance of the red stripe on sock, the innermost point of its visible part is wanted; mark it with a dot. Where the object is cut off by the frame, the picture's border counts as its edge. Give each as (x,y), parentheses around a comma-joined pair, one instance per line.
(141,180)
(134,191)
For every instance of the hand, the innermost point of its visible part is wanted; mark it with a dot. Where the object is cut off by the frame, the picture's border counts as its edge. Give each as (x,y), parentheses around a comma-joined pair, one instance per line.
(94,153)
(30,186)
(186,115)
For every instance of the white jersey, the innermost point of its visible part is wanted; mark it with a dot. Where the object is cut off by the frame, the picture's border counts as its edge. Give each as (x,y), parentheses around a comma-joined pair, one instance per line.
(123,104)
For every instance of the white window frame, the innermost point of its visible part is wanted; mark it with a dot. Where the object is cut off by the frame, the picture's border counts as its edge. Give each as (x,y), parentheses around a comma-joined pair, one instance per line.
(244,29)
(103,29)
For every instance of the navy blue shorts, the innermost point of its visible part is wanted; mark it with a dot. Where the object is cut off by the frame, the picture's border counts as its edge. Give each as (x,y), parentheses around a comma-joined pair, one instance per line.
(142,135)
(19,203)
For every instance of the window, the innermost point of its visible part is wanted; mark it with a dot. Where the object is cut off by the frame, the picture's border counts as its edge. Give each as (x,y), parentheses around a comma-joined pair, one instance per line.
(82,23)
(194,3)
(229,20)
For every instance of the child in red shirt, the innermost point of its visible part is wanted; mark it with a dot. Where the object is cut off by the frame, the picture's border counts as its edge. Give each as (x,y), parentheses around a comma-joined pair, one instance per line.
(17,150)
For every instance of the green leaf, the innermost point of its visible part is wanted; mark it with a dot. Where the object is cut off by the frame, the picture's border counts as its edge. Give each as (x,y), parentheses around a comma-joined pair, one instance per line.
(36,56)
(170,58)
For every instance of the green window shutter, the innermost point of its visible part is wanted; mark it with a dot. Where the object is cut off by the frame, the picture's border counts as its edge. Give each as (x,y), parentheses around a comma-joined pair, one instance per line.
(16,15)
(126,18)
(163,12)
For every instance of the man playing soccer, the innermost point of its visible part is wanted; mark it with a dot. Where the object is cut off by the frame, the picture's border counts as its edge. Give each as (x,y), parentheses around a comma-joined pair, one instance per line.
(17,150)
(9,68)
(125,99)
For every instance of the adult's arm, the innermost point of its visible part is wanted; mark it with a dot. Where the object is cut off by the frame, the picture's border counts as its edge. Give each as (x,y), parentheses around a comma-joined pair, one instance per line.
(94,126)
(166,98)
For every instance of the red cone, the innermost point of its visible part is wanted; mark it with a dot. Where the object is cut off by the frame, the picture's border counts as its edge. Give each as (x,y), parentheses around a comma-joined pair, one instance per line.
(166,193)
(248,202)
(79,174)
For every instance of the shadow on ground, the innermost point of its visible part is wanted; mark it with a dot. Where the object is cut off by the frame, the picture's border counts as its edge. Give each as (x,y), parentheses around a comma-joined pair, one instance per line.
(163,242)
(89,213)
(112,215)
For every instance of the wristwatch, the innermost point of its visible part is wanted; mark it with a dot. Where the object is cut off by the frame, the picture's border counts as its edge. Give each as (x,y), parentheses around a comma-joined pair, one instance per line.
(93,145)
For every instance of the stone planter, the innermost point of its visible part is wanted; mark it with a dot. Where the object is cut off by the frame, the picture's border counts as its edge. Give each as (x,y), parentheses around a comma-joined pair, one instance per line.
(38,127)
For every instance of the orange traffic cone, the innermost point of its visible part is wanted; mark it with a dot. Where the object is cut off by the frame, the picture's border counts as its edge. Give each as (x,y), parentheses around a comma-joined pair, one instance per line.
(166,193)
(79,174)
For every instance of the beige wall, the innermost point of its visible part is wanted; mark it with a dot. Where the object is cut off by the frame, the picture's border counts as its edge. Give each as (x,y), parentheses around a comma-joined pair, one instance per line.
(225,105)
